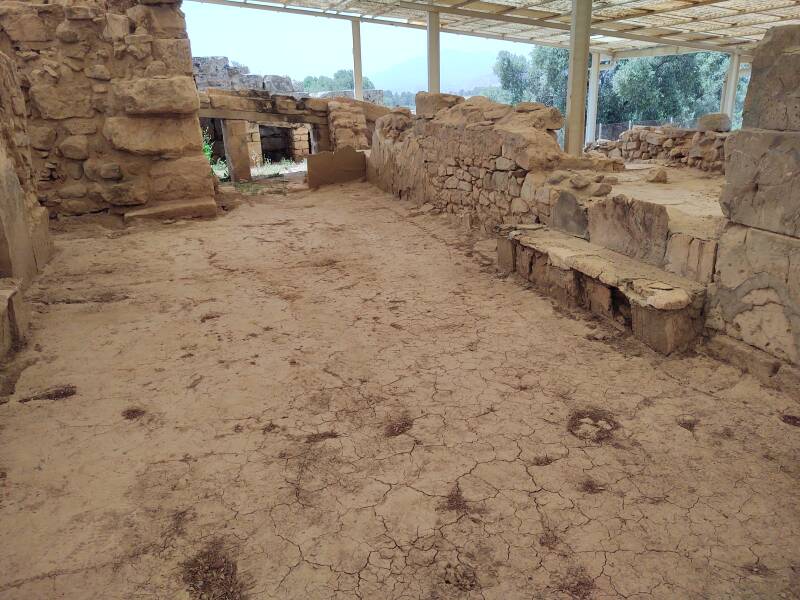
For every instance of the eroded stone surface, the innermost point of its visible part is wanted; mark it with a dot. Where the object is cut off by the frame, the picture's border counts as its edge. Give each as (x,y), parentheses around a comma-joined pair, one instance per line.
(763,180)
(773,96)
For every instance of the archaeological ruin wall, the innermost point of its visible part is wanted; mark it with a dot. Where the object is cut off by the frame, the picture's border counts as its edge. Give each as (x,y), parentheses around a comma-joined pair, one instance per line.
(755,296)
(113,108)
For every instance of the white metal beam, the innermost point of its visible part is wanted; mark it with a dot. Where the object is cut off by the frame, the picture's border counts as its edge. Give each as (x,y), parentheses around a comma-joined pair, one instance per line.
(594,97)
(434,58)
(728,100)
(663,51)
(575,131)
(358,80)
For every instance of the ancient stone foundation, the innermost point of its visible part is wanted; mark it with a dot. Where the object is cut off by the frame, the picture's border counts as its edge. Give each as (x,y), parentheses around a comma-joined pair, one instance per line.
(703,148)
(113,109)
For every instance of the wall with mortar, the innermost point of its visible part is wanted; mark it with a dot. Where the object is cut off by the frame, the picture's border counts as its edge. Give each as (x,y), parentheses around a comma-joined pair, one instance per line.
(113,109)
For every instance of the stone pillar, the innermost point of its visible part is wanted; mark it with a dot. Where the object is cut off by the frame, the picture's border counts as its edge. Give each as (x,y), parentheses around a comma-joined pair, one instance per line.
(300,143)
(756,292)
(434,62)
(254,145)
(575,131)
(234,132)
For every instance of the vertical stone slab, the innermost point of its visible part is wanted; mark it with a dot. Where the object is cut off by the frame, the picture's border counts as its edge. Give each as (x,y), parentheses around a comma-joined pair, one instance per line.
(773,98)
(234,133)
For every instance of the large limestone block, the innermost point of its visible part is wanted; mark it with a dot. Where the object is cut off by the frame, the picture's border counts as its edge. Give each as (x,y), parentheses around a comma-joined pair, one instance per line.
(429,104)
(54,102)
(756,292)
(763,180)
(234,133)
(16,249)
(711,122)
(569,215)
(151,136)
(24,25)
(170,95)
(634,228)
(773,98)
(188,177)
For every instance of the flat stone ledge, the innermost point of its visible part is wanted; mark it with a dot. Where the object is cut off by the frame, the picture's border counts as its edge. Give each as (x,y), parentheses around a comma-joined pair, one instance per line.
(662,309)
(175,209)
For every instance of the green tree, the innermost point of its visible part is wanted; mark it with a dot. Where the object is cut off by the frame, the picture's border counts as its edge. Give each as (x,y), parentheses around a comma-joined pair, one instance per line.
(512,71)
(549,70)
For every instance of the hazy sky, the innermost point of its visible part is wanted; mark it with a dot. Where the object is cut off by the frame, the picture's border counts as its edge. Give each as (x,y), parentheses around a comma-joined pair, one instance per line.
(295,45)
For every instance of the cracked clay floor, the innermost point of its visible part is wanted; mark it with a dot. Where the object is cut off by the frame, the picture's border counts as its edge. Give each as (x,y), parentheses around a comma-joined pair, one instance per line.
(329,395)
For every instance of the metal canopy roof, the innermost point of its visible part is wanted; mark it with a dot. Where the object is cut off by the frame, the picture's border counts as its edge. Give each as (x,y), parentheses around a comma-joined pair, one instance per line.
(620,28)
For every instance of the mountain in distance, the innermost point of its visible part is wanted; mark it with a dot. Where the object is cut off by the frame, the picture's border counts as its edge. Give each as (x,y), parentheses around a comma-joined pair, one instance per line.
(459,71)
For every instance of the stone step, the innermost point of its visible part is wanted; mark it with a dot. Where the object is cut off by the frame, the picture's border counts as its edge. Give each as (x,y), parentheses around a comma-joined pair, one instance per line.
(174,209)
(664,236)
(662,309)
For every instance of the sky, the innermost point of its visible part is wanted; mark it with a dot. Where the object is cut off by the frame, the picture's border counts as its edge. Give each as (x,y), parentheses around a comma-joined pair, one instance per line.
(271,43)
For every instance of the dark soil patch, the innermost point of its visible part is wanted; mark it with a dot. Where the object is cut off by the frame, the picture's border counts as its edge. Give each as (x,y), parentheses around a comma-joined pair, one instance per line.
(210,316)
(398,427)
(131,414)
(462,577)
(688,422)
(542,461)
(592,424)
(455,501)
(577,583)
(549,539)
(60,392)
(314,438)
(212,574)
(590,486)
(791,420)
(269,428)
(9,376)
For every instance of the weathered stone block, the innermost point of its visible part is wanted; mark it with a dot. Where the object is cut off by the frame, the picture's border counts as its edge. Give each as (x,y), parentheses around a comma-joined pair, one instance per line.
(714,122)
(634,228)
(773,98)
(151,136)
(756,292)
(506,258)
(75,147)
(569,215)
(763,180)
(188,177)
(427,104)
(173,95)
(53,102)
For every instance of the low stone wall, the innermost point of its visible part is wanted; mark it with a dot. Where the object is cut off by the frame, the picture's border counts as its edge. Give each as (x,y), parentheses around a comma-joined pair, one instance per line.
(218,72)
(113,115)
(701,149)
(491,162)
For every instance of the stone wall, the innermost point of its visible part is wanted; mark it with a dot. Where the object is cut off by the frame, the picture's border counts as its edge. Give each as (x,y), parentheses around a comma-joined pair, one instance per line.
(490,162)
(701,149)
(756,293)
(218,72)
(113,109)
(24,238)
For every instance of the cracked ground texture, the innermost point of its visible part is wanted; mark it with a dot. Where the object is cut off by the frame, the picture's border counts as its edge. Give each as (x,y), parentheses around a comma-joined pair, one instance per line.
(343,394)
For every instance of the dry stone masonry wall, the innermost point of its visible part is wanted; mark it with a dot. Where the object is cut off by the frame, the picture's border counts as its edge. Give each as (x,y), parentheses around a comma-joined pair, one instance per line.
(113,109)
(703,148)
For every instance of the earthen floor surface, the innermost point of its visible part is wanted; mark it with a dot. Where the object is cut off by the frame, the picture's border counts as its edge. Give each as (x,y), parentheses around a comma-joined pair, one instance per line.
(328,395)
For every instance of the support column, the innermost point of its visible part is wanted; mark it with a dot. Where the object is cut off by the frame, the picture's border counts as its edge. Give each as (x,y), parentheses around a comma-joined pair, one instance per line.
(575,133)
(728,100)
(433,53)
(358,89)
(594,96)
(234,135)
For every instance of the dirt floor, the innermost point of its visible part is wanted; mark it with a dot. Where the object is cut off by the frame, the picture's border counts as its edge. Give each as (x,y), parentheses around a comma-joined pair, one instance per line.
(331,395)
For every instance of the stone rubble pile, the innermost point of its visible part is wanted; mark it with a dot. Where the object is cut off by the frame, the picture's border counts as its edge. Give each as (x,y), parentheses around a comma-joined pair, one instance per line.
(113,119)
(701,149)
(218,72)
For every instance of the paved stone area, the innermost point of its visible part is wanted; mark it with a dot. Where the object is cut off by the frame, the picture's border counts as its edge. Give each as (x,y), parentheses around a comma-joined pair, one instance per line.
(329,395)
